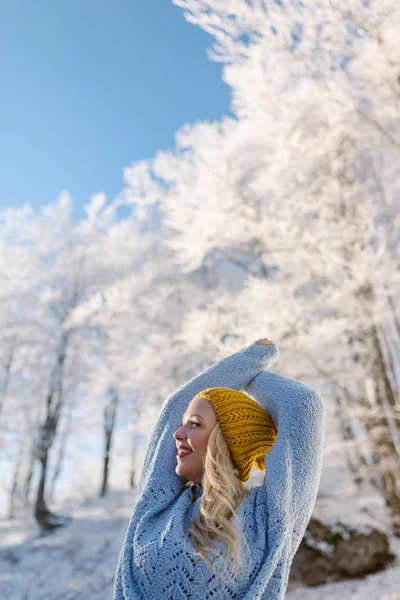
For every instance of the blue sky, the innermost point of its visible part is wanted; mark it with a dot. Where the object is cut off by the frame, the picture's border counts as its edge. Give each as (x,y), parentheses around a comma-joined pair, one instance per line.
(89,87)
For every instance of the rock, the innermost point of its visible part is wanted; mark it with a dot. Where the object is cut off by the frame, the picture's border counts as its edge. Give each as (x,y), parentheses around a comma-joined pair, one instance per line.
(328,554)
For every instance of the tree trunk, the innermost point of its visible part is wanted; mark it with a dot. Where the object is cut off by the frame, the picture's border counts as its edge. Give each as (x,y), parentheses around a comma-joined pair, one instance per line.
(15,481)
(60,456)
(41,508)
(354,457)
(136,414)
(110,412)
(380,419)
(132,475)
(385,431)
(47,434)
(7,370)
(28,476)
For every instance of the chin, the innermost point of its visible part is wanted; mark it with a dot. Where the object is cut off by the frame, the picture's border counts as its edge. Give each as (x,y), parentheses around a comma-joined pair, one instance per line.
(180,472)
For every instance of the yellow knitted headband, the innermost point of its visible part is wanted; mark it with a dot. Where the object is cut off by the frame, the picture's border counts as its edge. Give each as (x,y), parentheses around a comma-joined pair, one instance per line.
(248,429)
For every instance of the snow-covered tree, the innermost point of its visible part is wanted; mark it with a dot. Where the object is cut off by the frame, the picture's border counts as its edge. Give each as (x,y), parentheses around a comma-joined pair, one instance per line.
(295,181)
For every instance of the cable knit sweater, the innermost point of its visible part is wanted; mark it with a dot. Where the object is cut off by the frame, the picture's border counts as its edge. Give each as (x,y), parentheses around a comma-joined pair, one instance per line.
(153,563)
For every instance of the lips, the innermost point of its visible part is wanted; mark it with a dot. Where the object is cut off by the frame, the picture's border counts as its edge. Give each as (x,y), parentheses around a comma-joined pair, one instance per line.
(183,451)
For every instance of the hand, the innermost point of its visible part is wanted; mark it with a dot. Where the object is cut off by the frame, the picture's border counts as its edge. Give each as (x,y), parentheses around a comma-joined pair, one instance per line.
(265,342)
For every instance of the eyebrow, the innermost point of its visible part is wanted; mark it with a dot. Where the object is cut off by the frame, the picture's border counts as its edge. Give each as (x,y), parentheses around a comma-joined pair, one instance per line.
(193,415)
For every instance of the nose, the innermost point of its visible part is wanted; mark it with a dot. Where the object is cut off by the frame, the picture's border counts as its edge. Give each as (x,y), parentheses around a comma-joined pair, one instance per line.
(178,435)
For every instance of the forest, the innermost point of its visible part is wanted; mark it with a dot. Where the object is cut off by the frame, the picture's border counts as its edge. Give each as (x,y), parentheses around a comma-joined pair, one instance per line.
(281,220)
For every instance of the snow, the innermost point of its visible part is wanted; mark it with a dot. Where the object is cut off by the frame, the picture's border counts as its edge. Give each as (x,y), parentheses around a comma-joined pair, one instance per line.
(79,561)
(73,562)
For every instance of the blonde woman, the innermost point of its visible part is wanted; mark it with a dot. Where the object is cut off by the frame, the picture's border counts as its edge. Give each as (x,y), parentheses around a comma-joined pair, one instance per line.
(196,530)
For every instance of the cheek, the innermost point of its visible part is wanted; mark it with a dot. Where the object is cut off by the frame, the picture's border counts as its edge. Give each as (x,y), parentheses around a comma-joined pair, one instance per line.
(201,443)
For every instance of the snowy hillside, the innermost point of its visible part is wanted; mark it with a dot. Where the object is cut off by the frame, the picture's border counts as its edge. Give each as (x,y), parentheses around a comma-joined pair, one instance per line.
(78,561)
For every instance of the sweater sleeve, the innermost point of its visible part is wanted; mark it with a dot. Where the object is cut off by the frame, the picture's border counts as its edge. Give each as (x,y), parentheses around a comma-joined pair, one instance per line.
(293,465)
(158,482)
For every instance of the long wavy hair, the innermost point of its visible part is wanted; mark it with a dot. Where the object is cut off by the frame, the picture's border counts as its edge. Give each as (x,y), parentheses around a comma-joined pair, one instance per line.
(223,493)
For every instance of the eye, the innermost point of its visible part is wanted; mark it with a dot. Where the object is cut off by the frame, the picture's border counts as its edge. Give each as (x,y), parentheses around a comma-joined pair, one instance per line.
(195,423)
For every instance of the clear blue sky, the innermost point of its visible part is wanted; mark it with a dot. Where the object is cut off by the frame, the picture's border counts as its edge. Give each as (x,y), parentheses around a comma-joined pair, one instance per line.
(90,86)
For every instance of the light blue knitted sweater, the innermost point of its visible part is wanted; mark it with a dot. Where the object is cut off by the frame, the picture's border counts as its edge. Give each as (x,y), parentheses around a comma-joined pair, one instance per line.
(153,563)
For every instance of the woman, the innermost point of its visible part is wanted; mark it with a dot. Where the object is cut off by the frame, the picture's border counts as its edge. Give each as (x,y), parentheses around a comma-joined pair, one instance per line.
(196,531)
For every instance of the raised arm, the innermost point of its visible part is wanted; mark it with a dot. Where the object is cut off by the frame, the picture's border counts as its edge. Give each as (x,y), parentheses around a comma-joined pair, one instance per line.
(158,477)
(293,465)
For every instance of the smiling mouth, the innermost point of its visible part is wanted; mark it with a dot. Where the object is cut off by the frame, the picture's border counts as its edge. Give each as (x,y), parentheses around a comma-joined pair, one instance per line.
(183,455)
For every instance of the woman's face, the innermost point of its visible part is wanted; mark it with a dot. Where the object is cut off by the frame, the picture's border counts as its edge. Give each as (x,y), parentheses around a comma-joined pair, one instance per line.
(198,422)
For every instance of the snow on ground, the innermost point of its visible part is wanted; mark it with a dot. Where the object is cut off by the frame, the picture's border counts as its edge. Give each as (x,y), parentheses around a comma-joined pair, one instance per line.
(72,563)
(78,562)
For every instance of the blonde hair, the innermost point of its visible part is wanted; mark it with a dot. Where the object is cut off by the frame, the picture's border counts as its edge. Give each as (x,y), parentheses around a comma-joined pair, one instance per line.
(223,492)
